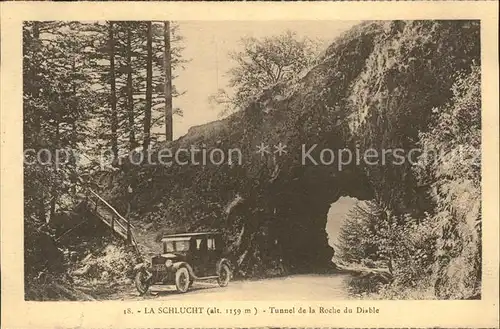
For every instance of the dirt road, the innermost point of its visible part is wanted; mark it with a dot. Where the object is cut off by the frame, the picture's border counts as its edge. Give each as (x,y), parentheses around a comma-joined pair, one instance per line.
(296,287)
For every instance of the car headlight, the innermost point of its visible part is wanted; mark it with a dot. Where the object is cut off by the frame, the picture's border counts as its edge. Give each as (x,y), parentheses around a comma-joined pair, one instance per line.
(168,263)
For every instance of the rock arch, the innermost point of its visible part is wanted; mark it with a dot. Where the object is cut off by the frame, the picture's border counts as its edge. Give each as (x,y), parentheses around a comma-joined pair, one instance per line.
(375,87)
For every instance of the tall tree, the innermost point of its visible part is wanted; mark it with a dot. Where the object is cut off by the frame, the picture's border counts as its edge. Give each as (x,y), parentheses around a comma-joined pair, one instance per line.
(262,63)
(114,114)
(131,58)
(32,87)
(149,86)
(35,89)
(168,82)
(130,91)
(57,103)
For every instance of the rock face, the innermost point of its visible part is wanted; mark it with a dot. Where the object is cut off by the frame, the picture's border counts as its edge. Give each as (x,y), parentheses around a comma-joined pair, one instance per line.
(375,87)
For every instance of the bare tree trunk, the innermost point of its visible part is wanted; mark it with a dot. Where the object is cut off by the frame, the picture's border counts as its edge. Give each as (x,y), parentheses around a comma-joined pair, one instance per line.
(149,87)
(114,115)
(35,91)
(74,137)
(35,87)
(130,97)
(167,57)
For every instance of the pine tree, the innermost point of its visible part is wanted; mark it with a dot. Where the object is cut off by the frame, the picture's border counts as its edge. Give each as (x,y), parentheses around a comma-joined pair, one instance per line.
(112,82)
(149,87)
(58,102)
(168,83)
(130,90)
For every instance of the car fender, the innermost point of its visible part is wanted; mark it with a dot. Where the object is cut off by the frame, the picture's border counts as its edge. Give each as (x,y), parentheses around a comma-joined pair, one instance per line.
(142,267)
(221,262)
(178,265)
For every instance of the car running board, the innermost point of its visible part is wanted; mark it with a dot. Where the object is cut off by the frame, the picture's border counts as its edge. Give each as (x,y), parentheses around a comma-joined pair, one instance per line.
(206,277)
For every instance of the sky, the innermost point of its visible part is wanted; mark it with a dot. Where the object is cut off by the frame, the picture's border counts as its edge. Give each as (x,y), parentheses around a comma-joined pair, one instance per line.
(207,46)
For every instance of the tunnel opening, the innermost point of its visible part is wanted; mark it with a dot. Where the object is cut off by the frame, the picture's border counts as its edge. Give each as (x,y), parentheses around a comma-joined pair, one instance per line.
(338,212)
(307,216)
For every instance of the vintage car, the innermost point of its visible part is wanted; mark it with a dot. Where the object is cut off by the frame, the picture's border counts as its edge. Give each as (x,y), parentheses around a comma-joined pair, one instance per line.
(185,258)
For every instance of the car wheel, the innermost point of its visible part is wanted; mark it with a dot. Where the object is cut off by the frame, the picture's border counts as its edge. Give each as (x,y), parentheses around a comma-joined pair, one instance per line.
(182,279)
(141,282)
(224,275)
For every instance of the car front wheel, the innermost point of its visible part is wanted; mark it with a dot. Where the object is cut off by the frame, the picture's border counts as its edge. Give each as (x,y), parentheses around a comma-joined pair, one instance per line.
(141,282)
(224,275)
(182,279)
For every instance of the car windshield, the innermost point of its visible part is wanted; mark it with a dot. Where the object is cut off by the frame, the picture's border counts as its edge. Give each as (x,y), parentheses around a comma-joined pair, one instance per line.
(176,245)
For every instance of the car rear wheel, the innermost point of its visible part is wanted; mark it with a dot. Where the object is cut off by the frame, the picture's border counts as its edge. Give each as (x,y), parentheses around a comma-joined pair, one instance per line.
(182,279)
(224,275)
(141,282)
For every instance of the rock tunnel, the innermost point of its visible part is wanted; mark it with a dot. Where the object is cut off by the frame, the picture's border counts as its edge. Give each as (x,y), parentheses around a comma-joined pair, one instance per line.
(273,207)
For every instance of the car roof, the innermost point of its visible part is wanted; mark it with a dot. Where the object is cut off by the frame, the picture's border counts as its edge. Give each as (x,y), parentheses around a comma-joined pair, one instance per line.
(188,235)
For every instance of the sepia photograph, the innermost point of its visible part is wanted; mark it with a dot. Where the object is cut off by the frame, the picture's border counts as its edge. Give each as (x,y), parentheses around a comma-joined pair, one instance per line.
(314,164)
(252,160)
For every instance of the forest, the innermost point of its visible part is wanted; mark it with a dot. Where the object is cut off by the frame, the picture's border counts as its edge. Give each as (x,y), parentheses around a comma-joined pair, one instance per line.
(89,87)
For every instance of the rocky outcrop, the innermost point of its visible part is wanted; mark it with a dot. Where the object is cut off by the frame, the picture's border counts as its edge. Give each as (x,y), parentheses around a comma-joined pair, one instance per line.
(375,87)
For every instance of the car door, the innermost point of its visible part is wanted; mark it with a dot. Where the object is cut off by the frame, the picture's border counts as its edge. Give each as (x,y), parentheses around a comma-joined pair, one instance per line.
(201,257)
(212,256)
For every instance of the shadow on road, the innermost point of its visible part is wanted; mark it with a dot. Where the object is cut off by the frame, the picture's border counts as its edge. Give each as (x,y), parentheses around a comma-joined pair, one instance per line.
(170,290)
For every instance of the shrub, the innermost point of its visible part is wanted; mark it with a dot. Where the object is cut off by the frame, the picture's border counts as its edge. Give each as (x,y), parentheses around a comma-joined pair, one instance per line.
(113,265)
(356,237)
(406,245)
(456,188)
